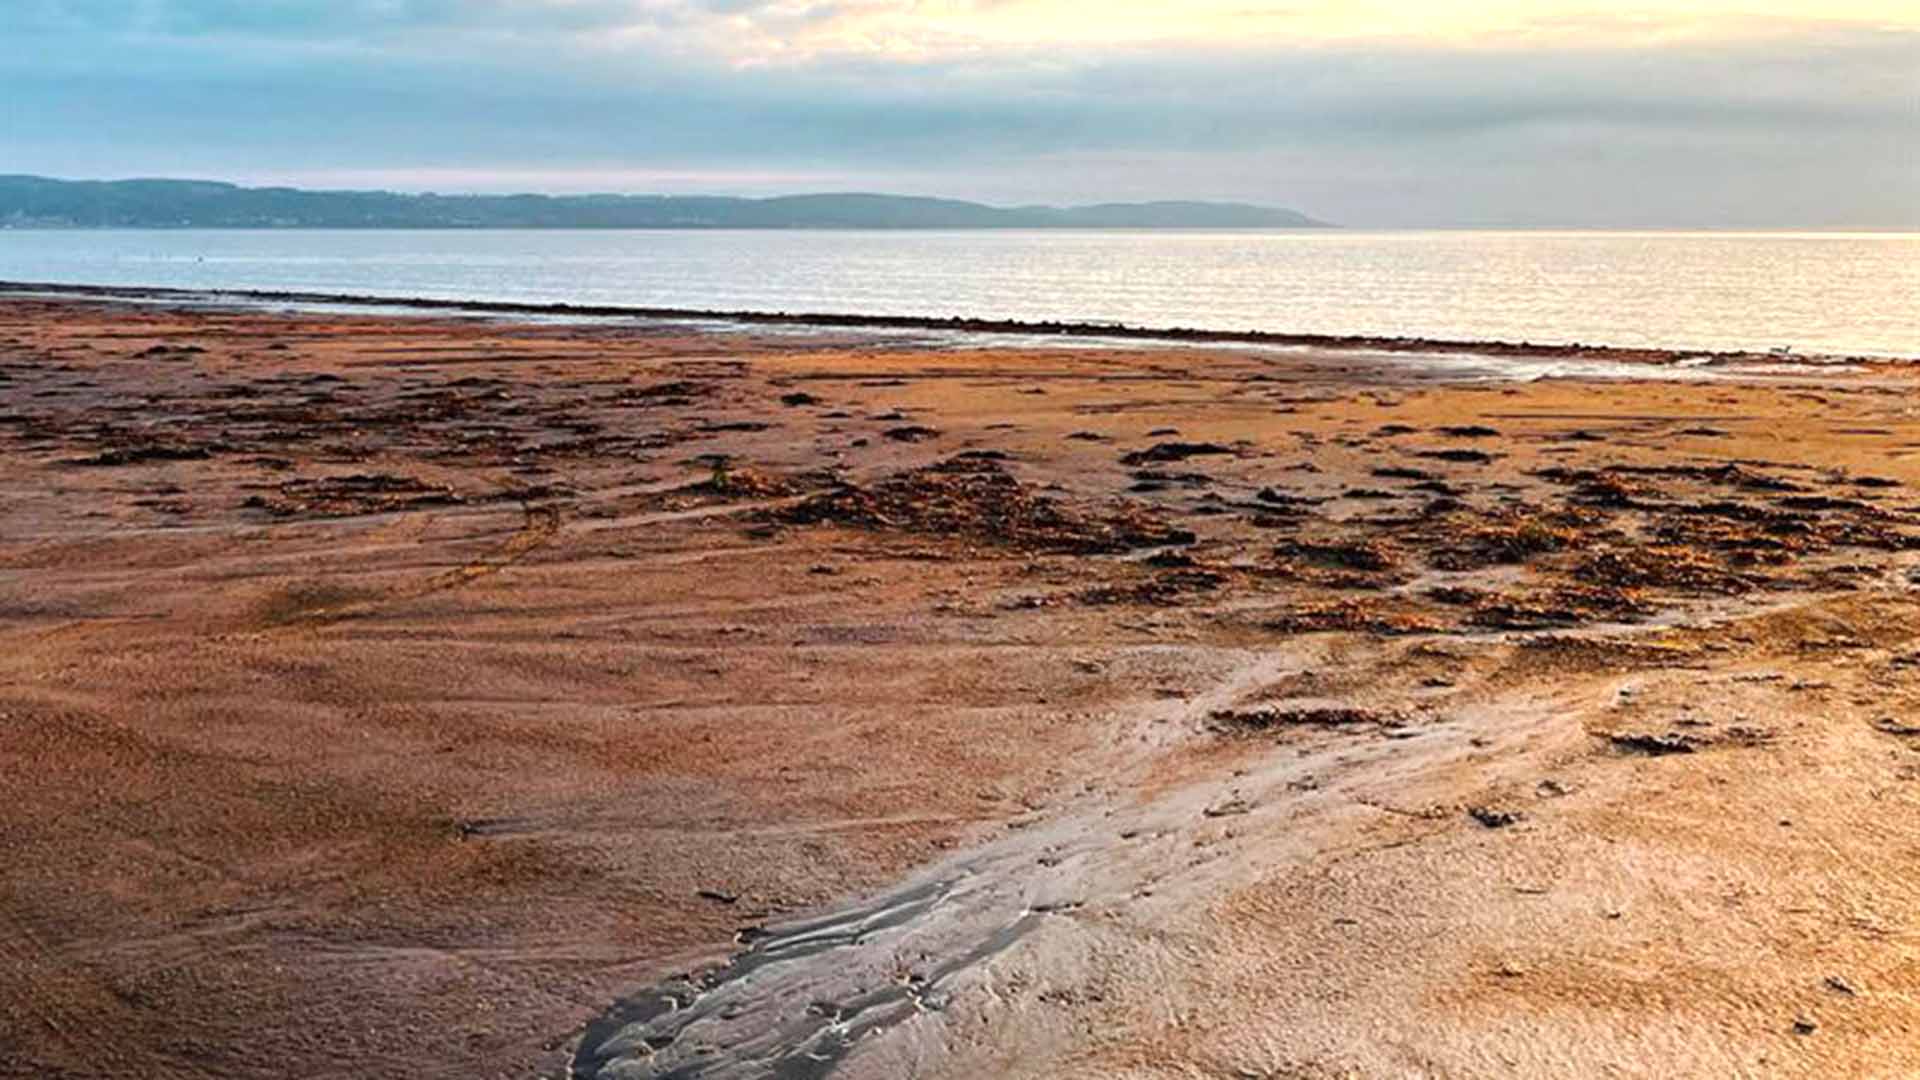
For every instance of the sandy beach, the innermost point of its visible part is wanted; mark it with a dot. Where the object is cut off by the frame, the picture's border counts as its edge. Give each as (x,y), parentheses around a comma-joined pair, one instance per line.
(458,697)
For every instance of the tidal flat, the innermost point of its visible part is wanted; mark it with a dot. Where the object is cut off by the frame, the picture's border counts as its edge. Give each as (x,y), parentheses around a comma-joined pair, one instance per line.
(456,697)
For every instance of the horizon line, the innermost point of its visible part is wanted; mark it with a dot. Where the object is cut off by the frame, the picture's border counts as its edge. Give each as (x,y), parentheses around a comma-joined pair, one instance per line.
(1237,203)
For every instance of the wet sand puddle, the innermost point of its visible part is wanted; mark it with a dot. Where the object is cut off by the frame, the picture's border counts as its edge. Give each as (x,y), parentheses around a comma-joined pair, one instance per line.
(799,999)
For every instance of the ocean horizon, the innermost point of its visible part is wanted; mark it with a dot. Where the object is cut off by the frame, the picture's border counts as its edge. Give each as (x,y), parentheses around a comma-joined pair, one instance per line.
(1848,294)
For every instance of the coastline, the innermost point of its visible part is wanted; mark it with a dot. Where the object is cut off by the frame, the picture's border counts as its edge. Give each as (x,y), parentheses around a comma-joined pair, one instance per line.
(1069,330)
(453,696)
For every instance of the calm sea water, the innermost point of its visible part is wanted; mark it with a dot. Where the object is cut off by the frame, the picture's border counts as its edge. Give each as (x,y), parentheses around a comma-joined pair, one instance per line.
(1848,293)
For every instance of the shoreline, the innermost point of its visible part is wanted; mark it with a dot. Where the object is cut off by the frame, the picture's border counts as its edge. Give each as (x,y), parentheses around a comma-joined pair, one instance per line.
(1089,330)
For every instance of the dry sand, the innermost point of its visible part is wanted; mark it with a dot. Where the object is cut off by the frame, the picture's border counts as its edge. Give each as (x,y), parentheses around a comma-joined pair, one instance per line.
(389,696)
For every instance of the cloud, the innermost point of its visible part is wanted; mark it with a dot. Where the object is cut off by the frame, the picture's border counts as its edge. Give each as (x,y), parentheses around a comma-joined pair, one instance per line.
(1761,121)
(243,17)
(923,29)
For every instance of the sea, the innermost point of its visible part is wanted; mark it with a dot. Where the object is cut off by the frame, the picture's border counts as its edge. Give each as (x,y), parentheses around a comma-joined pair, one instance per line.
(1805,293)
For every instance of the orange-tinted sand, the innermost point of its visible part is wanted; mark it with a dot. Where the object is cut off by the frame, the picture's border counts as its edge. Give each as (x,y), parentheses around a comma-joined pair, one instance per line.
(390,696)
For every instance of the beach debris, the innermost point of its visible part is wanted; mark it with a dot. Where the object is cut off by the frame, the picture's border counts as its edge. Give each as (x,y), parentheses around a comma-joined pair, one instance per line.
(1339,564)
(1701,736)
(1353,616)
(1346,554)
(1285,501)
(1563,607)
(744,483)
(981,502)
(1873,482)
(169,352)
(141,453)
(359,493)
(1458,456)
(911,433)
(1267,718)
(678,392)
(1471,540)
(1163,589)
(1661,566)
(1653,744)
(1160,480)
(1732,474)
(1172,451)
(1493,817)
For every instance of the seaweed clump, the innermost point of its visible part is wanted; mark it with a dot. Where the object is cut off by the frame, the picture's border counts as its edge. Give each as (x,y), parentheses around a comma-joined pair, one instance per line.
(1477,541)
(346,496)
(980,501)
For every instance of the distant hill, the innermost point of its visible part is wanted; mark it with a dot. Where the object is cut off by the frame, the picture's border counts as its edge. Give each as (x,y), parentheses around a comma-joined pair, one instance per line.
(27,201)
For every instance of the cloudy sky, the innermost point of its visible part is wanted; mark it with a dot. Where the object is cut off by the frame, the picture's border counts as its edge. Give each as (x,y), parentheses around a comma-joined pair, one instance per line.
(1398,112)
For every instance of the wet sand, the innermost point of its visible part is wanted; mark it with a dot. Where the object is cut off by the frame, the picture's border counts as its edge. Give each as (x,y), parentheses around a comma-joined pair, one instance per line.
(975,328)
(460,698)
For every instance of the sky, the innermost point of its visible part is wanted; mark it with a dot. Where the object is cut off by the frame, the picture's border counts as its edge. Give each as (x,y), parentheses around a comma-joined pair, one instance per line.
(1393,113)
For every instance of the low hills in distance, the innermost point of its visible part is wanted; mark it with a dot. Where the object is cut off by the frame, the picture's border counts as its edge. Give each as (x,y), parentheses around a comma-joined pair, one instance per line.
(35,201)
